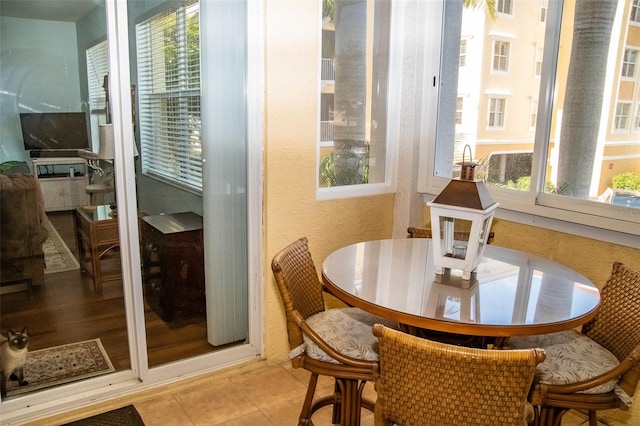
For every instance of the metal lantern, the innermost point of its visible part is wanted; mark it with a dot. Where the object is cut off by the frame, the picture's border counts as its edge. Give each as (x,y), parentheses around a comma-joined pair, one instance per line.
(461,218)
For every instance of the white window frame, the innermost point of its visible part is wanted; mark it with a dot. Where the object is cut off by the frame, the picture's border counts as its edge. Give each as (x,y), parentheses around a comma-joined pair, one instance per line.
(636,119)
(179,148)
(634,13)
(537,70)
(628,68)
(533,114)
(504,7)
(502,59)
(581,217)
(621,119)
(493,112)
(393,119)
(544,8)
(459,110)
(463,52)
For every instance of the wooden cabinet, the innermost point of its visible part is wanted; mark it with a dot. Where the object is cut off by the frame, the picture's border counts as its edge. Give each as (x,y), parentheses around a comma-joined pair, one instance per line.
(173,266)
(63,182)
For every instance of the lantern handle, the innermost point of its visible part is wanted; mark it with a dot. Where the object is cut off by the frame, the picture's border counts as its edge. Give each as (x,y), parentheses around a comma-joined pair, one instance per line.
(467,169)
(464,150)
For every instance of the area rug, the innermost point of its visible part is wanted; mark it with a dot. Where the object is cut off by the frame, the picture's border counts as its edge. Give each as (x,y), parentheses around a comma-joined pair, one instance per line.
(125,416)
(57,256)
(62,364)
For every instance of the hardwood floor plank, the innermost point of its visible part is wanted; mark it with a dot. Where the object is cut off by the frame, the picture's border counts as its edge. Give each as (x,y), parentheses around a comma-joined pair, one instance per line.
(66,309)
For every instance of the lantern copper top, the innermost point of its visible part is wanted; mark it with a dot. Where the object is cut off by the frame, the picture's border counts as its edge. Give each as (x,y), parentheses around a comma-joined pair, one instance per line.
(466,191)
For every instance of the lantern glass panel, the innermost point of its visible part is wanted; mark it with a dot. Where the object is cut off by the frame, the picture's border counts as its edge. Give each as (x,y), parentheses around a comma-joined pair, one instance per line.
(454,236)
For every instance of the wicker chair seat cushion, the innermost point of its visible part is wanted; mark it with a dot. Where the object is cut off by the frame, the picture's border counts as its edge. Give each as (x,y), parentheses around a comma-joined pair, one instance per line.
(571,357)
(348,331)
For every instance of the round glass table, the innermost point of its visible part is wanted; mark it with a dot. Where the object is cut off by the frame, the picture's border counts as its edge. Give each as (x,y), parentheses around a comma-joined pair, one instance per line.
(511,293)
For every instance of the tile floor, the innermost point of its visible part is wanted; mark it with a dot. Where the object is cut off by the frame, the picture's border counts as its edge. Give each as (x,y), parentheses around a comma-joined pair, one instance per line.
(255,395)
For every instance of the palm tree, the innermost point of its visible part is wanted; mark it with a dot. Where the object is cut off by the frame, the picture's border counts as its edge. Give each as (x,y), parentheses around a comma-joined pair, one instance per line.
(488,5)
(593,24)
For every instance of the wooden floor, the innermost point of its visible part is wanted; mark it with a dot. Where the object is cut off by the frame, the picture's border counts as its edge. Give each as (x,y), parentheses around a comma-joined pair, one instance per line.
(66,310)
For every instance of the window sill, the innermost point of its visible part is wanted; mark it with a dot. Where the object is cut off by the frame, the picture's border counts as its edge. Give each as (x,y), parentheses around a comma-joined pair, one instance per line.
(622,233)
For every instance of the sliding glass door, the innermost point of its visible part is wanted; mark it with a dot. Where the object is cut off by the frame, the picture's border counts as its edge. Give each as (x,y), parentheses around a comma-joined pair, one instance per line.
(162,195)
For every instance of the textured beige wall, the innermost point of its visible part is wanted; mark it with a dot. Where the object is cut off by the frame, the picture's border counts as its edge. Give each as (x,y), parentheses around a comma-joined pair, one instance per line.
(592,258)
(291,209)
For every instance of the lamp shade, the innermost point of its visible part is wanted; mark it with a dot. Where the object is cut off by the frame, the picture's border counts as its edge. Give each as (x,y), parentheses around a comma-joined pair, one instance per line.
(464,207)
(107,144)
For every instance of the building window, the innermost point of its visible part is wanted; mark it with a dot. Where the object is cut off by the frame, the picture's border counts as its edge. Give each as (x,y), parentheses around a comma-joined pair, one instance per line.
(496,113)
(573,122)
(463,53)
(353,103)
(538,62)
(635,11)
(168,51)
(636,121)
(97,57)
(459,108)
(504,7)
(622,115)
(500,56)
(544,5)
(629,63)
(533,114)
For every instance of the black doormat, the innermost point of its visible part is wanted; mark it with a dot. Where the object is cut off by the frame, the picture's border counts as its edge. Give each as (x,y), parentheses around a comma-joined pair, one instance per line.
(125,416)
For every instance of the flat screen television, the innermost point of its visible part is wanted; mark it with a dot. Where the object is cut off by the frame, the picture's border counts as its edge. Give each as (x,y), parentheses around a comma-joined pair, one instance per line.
(54,131)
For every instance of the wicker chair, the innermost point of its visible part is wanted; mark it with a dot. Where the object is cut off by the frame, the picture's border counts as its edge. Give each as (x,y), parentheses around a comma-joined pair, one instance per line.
(423,382)
(334,342)
(415,232)
(598,368)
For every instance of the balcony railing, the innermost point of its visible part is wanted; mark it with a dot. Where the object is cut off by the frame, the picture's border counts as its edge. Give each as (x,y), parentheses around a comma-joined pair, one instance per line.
(326,131)
(328,71)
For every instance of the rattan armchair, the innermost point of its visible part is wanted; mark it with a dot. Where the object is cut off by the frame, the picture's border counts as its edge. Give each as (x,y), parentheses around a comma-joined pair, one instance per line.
(416,232)
(598,368)
(423,382)
(336,342)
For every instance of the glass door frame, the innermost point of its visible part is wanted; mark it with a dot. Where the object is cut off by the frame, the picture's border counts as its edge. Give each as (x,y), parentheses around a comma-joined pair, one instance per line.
(140,376)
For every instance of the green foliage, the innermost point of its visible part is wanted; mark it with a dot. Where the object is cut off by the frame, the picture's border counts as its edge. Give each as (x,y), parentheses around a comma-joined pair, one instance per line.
(329,9)
(488,5)
(626,180)
(523,183)
(348,164)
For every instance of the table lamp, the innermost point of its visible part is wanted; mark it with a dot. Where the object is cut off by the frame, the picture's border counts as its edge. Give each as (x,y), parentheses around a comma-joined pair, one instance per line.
(464,207)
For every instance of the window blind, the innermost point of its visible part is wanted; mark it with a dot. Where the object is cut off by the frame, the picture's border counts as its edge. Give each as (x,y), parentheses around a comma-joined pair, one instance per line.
(97,69)
(168,47)
(97,57)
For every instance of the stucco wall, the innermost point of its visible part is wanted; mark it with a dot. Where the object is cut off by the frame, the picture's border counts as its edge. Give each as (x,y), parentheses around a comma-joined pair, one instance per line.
(291,209)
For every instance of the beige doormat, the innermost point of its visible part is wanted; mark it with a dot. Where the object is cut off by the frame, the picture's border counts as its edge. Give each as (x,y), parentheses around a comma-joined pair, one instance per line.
(57,256)
(62,364)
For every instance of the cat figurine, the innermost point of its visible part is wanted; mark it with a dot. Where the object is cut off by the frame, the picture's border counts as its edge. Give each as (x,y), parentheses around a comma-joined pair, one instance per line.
(13,355)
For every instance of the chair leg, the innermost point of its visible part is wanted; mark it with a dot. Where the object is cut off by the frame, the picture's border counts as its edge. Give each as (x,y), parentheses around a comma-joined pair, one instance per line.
(551,416)
(593,419)
(337,404)
(305,414)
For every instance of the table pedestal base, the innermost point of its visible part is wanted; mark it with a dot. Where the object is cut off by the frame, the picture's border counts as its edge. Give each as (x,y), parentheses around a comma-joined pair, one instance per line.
(480,342)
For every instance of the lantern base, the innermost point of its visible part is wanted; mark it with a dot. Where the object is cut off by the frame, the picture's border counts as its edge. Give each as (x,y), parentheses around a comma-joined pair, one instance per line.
(466,275)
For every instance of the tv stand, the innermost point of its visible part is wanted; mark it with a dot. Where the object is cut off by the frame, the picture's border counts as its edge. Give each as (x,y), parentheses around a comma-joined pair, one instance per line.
(62,189)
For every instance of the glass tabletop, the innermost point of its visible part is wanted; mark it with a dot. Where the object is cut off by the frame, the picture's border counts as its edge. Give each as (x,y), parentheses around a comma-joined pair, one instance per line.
(102,212)
(511,293)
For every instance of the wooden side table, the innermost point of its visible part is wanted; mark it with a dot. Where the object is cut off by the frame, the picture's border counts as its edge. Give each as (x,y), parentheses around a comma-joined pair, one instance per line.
(173,265)
(97,235)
